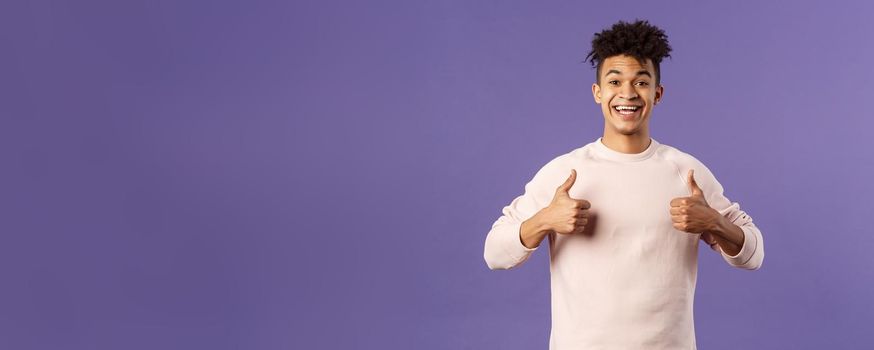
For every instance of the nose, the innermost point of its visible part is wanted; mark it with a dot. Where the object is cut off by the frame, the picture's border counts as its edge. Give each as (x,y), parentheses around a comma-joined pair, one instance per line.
(627,92)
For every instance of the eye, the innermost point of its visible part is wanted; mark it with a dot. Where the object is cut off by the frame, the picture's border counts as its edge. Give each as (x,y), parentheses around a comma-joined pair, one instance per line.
(613,82)
(642,83)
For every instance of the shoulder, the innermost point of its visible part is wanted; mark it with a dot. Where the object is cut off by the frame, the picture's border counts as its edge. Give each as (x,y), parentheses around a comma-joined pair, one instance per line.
(679,157)
(684,161)
(557,169)
(571,159)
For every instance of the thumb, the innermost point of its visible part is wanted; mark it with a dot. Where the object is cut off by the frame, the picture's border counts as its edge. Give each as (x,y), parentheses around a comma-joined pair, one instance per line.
(693,185)
(566,186)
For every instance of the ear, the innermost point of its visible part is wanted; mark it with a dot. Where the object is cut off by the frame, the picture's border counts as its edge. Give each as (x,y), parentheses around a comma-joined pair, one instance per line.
(596,93)
(660,91)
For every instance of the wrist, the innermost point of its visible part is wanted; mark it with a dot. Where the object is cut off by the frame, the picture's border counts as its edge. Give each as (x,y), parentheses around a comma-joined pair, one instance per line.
(532,231)
(540,226)
(724,230)
(717,224)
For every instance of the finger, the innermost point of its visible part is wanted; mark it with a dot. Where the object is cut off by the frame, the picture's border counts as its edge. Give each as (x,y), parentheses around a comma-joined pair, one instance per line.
(566,186)
(693,185)
(678,218)
(677,211)
(582,214)
(709,240)
(678,202)
(584,204)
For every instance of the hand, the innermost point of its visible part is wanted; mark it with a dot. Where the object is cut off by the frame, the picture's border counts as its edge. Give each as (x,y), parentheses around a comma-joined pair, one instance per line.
(709,239)
(564,214)
(692,214)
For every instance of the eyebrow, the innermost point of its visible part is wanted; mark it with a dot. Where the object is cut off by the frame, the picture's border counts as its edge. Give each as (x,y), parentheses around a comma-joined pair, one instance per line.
(640,72)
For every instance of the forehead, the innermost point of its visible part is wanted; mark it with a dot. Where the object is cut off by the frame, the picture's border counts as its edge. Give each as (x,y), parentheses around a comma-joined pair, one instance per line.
(626,64)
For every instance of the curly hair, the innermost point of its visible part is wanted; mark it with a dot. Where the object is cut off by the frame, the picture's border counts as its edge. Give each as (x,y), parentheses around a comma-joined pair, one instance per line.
(639,39)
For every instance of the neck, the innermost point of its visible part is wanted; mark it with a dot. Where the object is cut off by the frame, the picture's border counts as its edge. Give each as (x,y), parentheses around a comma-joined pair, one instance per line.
(635,143)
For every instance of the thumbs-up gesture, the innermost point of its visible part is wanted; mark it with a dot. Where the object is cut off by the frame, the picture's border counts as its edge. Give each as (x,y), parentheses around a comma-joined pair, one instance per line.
(692,214)
(564,214)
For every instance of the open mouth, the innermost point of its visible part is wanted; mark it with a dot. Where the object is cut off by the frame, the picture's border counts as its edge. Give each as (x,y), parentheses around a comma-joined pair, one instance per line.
(627,112)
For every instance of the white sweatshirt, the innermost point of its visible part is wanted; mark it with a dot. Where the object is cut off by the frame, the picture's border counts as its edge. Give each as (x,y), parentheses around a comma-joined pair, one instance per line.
(627,282)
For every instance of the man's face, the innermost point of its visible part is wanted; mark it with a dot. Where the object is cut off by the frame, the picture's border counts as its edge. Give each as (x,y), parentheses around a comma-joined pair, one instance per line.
(627,94)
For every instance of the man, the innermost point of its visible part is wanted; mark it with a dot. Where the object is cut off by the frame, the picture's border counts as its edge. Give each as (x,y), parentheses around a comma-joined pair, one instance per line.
(623,215)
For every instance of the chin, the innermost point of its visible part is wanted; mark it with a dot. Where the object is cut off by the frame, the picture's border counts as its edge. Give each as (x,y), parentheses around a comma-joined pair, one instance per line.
(625,130)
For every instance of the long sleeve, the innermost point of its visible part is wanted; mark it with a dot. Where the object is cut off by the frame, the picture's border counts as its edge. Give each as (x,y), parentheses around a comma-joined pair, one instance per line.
(503,244)
(752,253)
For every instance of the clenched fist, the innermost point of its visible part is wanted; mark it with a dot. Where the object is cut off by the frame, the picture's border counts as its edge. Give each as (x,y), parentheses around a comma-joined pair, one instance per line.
(692,214)
(564,214)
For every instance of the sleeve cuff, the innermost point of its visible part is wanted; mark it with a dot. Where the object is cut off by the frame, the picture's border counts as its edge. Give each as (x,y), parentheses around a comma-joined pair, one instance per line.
(517,235)
(746,251)
(512,243)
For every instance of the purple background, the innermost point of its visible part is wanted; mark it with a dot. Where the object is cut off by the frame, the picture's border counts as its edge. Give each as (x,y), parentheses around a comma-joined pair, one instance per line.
(322,175)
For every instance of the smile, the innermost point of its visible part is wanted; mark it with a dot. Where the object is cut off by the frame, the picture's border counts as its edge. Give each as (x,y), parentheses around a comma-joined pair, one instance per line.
(627,109)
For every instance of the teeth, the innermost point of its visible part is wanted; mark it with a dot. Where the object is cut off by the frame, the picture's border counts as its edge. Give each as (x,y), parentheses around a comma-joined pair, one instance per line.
(632,108)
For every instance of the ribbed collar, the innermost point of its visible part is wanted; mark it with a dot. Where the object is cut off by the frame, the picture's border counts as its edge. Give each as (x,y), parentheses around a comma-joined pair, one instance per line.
(602,150)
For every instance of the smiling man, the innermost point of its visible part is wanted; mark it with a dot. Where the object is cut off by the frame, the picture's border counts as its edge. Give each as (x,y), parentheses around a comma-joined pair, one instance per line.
(623,215)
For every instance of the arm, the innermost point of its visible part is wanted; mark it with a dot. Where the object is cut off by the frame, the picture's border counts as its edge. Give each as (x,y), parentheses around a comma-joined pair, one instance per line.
(733,233)
(533,231)
(518,231)
(504,247)
(746,252)
(729,237)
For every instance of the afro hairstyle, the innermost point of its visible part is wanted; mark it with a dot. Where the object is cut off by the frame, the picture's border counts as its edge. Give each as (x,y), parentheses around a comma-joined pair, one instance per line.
(638,39)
